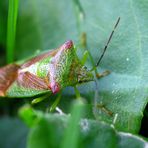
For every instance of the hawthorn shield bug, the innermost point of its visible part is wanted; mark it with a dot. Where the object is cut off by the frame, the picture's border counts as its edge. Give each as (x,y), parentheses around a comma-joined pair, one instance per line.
(49,72)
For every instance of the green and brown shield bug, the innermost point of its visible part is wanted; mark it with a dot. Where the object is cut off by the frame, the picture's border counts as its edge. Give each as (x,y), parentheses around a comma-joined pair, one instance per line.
(49,72)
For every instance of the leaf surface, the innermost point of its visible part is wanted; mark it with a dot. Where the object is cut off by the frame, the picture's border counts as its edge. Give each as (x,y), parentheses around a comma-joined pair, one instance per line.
(48,128)
(47,24)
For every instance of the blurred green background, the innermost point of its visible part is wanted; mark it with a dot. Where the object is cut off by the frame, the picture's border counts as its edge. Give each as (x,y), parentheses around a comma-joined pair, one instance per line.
(42,25)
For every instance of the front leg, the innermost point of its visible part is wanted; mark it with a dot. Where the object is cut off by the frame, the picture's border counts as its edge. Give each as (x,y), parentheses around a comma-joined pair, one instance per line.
(88,54)
(105,73)
(78,95)
(56,102)
(40,99)
(104,109)
(98,103)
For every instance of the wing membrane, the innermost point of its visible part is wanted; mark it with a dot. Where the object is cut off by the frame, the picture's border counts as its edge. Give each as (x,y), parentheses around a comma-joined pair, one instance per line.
(28,80)
(8,74)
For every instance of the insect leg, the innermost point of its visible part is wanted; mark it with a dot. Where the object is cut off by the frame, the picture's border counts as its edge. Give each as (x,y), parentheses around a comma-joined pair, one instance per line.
(105,73)
(55,103)
(39,99)
(100,105)
(104,109)
(78,95)
(88,54)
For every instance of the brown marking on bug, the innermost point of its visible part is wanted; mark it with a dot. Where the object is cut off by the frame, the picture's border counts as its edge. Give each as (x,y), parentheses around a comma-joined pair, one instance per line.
(38,58)
(52,84)
(52,53)
(28,80)
(8,75)
(55,62)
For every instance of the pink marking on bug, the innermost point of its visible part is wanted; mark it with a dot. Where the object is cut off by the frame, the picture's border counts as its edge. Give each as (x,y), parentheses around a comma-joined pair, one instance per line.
(68,44)
(54,86)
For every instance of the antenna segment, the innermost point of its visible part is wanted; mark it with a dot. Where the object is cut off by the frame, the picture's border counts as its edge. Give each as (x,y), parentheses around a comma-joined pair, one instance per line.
(109,39)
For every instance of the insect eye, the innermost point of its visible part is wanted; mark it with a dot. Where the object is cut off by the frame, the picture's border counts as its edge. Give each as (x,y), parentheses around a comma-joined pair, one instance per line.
(79,81)
(84,67)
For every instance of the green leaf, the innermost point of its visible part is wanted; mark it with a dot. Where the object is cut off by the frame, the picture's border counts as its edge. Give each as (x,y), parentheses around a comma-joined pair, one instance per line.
(11,29)
(13,133)
(131,141)
(28,115)
(50,130)
(72,133)
(3,25)
(124,91)
(47,24)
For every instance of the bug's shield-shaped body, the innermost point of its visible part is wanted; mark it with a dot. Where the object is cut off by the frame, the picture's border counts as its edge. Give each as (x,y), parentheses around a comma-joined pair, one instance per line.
(49,72)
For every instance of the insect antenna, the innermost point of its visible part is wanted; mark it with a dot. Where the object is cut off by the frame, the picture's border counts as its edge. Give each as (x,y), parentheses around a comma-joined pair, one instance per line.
(109,39)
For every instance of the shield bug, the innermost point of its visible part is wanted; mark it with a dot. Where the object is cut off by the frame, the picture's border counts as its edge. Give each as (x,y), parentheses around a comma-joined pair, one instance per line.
(49,72)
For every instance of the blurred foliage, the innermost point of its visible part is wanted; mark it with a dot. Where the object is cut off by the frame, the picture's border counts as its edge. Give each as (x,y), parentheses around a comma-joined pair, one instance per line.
(49,128)
(47,24)
(13,133)
(11,29)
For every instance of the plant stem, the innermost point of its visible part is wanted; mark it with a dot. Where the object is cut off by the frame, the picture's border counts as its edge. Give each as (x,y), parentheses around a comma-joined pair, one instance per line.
(11,29)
